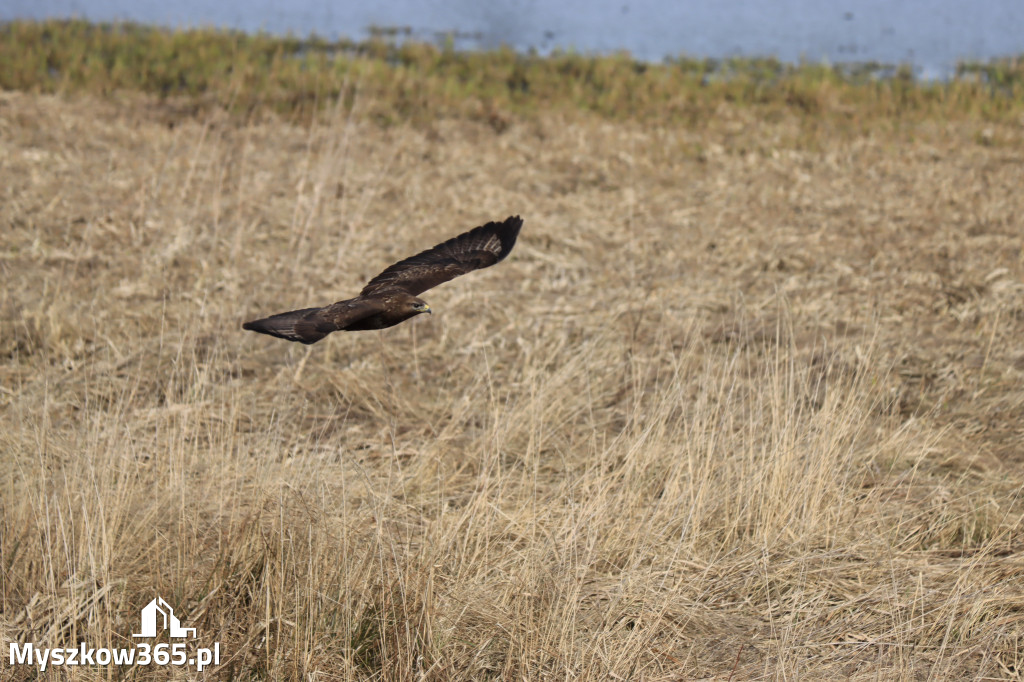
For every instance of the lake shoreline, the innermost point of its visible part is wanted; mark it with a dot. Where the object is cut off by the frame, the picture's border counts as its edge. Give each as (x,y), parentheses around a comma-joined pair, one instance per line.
(417,80)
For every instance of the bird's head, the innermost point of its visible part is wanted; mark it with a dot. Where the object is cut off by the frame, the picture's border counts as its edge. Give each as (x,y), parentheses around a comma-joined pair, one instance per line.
(419,306)
(403,305)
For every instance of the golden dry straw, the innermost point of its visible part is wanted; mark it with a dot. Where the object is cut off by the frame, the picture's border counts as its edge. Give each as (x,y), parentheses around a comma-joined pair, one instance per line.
(745,402)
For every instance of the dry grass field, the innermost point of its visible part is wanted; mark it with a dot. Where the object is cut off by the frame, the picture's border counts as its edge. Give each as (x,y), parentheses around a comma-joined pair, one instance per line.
(746,401)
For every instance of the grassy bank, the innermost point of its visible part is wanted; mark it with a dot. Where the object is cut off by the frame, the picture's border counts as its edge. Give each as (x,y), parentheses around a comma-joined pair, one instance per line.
(419,81)
(745,401)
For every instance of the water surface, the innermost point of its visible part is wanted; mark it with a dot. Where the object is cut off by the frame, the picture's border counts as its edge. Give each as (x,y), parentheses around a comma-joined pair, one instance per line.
(928,34)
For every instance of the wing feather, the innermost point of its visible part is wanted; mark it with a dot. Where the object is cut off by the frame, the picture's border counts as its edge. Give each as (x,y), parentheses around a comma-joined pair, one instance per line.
(479,248)
(309,325)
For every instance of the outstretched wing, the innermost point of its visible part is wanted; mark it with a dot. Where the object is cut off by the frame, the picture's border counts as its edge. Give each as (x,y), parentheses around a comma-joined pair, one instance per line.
(481,247)
(309,325)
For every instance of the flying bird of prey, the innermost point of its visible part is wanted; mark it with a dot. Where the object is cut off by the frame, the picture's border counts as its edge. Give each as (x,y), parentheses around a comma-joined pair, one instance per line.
(392,296)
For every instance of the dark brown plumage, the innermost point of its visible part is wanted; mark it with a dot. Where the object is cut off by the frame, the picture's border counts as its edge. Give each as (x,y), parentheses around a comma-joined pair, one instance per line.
(391,296)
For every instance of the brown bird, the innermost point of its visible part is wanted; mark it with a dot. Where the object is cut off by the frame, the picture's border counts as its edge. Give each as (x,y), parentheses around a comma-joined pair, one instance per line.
(391,296)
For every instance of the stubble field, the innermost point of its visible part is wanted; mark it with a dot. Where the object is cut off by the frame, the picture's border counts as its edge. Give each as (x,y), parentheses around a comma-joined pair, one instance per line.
(745,402)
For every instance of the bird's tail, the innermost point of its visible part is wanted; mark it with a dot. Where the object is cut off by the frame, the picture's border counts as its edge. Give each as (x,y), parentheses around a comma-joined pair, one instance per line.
(296,325)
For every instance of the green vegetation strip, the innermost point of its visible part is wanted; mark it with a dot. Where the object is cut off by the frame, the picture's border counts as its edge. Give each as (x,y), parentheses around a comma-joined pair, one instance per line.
(414,80)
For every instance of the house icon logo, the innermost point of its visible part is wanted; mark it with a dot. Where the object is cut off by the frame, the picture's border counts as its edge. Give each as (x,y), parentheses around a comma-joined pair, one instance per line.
(158,608)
